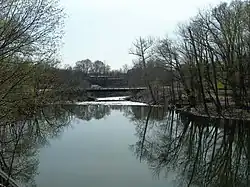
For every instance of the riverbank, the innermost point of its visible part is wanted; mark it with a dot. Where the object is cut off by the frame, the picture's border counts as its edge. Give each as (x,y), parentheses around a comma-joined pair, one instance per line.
(232,112)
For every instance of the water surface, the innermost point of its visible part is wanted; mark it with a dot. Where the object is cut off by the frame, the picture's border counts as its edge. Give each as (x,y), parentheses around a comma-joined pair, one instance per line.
(102,145)
(95,151)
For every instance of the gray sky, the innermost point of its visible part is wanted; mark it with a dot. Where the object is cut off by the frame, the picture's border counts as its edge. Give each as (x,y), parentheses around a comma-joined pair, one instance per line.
(105,29)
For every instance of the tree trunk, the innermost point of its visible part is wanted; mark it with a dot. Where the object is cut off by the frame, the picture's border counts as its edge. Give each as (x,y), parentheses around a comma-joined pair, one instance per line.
(199,72)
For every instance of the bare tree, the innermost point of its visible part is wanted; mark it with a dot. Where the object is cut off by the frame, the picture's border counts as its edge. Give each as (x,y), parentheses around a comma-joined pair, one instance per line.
(142,49)
(29,28)
(30,33)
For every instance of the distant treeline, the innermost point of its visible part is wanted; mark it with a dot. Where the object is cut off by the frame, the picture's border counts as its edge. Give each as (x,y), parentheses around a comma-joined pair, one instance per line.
(78,76)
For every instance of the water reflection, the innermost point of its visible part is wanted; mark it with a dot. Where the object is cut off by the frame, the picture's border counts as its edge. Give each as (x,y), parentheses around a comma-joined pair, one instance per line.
(20,140)
(21,137)
(200,151)
(90,112)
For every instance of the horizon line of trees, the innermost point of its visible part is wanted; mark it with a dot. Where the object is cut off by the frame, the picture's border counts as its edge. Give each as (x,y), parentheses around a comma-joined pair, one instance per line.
(96,67)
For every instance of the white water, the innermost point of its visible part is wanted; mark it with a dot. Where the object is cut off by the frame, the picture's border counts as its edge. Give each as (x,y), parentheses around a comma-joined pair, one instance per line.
(112,101)
(125,103)
(120,98)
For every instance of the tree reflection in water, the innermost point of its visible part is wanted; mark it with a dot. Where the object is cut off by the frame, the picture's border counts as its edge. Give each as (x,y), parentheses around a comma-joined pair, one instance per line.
(20,138)
(203,152)
(89,112)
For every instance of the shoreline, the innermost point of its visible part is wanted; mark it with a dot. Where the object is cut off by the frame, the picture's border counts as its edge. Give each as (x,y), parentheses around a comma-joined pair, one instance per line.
(230,114)
(237,114)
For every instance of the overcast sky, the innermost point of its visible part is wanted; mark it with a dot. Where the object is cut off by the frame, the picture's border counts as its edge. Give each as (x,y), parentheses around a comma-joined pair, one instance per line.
(105,29)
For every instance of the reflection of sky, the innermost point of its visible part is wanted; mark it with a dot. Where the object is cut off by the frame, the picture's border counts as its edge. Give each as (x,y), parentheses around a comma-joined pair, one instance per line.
(96,154)
(103,152)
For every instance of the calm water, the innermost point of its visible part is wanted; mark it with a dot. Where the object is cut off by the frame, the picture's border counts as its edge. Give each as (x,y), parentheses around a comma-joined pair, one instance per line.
(110,146)
(95,151)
